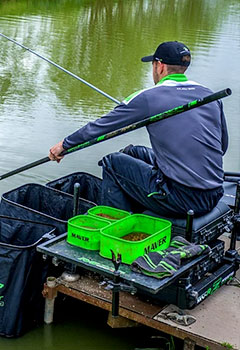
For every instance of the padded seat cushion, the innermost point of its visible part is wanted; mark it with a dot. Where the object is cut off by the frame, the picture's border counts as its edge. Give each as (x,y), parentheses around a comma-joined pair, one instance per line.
(198,222)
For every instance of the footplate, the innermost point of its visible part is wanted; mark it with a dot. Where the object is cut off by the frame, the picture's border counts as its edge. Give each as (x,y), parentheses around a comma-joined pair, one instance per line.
(186,295)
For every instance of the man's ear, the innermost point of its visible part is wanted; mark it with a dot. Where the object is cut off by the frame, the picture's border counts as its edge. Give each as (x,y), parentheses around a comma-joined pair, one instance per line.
(160,67)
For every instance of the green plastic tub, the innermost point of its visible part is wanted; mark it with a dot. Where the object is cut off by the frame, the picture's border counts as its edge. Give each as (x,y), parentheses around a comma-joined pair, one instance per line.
(84,231)
(157,232)
(108,213)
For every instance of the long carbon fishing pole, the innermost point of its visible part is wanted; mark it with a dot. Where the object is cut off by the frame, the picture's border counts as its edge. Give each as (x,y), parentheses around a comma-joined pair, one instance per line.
(61,68)
(171,112)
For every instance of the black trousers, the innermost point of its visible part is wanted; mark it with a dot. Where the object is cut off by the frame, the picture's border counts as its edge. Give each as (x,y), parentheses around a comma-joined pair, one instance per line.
(132,181)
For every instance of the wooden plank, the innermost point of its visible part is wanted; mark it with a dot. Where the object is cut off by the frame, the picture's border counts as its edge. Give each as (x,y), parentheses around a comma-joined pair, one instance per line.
(209,330)
(92,291)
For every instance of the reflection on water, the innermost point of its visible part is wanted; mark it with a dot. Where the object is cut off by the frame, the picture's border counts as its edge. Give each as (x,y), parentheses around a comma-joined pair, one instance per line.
(84,328)
(102,42)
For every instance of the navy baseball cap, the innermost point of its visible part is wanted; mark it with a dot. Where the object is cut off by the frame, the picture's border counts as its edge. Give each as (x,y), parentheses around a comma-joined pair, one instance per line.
(170,52)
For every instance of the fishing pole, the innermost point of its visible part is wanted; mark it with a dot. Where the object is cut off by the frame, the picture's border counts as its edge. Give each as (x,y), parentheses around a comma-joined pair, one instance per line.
(169,113)
(232,174)
(62,69)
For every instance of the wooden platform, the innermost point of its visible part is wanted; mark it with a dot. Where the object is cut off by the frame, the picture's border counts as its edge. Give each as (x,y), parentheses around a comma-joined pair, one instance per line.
(217,318)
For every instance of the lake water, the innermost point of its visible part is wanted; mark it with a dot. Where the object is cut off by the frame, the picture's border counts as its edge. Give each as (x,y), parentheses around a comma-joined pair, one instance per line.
(102,42)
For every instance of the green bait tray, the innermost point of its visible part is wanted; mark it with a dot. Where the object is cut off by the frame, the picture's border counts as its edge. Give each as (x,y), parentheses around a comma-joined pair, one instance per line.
(108,213)
(84,231)
(158,237)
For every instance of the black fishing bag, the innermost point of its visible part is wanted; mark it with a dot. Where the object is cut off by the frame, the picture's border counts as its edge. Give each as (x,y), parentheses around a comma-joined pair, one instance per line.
(43,204)
(22,274)
(90,185)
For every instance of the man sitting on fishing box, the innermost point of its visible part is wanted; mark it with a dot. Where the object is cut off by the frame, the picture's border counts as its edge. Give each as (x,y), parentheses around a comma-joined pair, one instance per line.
(183,169)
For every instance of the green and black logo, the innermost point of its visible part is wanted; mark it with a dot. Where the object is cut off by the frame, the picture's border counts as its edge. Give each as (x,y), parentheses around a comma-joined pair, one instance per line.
(1,296)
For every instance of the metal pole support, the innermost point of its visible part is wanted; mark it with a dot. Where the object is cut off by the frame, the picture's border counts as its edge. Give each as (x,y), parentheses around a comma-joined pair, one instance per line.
(190,215)
(115,294)
(76,198)
(116,284)
(236,226)
(49,293)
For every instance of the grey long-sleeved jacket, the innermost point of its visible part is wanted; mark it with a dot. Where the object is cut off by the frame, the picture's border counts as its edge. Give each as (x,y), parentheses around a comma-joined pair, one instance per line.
(189,147)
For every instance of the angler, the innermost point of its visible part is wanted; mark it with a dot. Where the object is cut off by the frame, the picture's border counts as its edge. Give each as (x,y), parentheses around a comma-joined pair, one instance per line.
(183,169)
